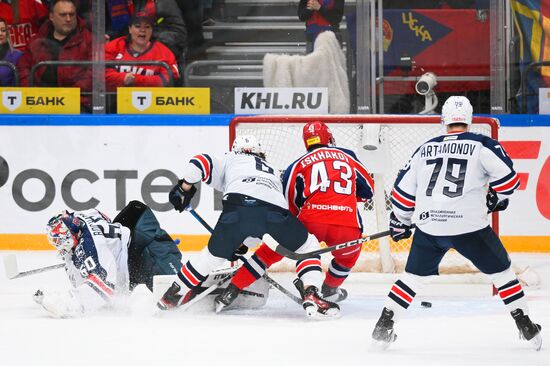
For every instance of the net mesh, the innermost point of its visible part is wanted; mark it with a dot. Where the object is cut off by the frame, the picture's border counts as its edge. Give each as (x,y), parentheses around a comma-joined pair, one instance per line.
(384,146)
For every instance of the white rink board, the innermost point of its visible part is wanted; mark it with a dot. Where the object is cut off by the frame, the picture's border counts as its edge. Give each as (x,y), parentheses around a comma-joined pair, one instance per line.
(59,150)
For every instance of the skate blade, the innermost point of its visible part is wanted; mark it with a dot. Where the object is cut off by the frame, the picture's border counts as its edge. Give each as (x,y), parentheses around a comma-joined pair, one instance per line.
(312,313)
(536,342)
(219,307)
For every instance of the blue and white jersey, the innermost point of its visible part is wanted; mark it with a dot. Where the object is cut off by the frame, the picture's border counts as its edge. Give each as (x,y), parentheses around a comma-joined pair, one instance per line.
(443,187)
(238,173)
(98,265)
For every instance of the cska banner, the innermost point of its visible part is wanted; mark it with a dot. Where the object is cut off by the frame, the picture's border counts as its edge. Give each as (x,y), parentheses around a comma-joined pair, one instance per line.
(532,22)
(447,42)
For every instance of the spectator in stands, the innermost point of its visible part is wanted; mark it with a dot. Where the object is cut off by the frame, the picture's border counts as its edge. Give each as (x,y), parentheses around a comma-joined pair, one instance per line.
(24,18)
(320,16)
(139,46)
(7,53)
(64,37)
(191,12)
(169,28)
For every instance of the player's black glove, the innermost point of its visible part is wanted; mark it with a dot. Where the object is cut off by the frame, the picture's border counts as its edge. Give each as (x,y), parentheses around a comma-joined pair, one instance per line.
(399,230)
(179,198)
(239,253)
(493,204)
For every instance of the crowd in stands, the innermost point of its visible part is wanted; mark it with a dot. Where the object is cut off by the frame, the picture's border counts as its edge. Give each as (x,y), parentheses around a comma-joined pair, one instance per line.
(169,31)
(32,31)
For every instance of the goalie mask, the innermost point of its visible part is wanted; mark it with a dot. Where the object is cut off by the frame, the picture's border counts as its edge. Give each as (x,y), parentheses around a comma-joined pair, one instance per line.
(317,133)
(457,109)
(63,232)
(247,144)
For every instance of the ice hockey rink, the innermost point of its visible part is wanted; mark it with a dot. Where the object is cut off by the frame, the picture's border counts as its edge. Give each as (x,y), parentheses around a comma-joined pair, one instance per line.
(465,326)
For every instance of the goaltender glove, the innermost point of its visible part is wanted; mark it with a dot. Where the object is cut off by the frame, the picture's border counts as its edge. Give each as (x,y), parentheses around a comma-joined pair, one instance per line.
(180,198)
(399,230)
(493,204)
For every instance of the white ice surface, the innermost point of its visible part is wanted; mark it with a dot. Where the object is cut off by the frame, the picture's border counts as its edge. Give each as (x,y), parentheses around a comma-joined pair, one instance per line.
(465,326)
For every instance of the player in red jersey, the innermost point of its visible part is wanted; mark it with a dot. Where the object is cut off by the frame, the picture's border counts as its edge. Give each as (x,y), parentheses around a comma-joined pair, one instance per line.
(138,46)
(322,188)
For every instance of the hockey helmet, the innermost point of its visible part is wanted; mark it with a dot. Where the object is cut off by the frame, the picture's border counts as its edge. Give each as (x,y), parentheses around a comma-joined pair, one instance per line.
(247,144)
(63,231)
(317,133)
(457,109)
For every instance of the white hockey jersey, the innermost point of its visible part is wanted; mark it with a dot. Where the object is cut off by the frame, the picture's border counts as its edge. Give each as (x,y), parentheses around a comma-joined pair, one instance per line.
(443,187)
(238,173)
(98,265)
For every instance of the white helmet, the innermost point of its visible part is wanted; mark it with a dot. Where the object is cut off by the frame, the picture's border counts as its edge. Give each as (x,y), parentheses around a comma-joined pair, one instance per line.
(247,144)
(457,109)
(62,232)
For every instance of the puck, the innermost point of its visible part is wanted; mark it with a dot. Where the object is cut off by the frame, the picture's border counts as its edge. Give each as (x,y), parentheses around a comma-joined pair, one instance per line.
(426,304)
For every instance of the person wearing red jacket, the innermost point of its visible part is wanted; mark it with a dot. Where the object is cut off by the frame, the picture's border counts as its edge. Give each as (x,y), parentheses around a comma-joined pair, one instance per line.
(64,37)
(24,18)
(139,46)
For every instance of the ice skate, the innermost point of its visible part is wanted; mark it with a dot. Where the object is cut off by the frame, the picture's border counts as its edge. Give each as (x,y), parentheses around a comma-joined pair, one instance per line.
(227,297)
(172,298)
(527,329)
(314,304)
(334,294)
(383,333)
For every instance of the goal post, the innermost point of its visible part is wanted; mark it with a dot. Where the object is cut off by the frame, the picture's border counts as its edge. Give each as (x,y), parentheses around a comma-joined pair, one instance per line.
(384,144)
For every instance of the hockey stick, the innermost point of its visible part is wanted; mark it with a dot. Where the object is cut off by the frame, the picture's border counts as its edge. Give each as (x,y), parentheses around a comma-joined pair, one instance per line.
(279,287)
(12,270)
(270,280)
(275,246)
(205,293)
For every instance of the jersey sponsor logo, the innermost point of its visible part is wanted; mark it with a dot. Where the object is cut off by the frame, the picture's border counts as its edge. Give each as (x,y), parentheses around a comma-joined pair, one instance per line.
(40,100)
(281,100)
(163,100)
(322,207)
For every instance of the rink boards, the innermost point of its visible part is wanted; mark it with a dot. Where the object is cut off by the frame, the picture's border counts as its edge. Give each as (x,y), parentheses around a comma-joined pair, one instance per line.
(51,163)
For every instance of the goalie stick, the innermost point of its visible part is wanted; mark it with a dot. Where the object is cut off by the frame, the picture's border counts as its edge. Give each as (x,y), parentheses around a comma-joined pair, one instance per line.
(270,280)
(12,270)
(275,246)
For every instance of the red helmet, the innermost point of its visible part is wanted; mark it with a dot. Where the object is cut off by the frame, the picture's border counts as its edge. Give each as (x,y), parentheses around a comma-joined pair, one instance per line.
(317,133)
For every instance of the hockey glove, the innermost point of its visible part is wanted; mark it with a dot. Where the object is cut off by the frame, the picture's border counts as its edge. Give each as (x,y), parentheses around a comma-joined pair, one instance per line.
(493,204)
(180,198)
(399,230)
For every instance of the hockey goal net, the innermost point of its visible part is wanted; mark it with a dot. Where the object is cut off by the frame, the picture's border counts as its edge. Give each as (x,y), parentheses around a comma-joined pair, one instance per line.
(384,143)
